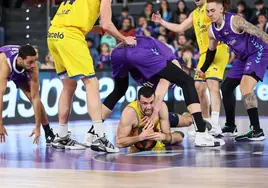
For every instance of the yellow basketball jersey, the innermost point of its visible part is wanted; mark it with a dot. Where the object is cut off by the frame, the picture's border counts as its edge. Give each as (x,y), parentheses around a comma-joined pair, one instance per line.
(135,106)
(201,24)
(81,14)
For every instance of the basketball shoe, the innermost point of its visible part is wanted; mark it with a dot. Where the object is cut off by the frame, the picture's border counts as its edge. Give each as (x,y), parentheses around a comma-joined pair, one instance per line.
(67,143)
(204,139)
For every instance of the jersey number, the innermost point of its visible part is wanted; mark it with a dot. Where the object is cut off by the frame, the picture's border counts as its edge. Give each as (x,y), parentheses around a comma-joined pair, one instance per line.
(71,2)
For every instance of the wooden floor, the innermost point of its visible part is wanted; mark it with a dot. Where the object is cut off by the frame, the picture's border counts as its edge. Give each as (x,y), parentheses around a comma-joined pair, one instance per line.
(23,165)
(172,177)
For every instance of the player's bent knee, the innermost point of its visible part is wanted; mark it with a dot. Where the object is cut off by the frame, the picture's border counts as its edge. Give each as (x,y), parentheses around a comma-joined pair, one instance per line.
(177,137)
(173,119)
(245,90)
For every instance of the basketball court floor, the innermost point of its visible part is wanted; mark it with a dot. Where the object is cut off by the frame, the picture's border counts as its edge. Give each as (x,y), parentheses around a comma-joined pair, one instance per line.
(22,164)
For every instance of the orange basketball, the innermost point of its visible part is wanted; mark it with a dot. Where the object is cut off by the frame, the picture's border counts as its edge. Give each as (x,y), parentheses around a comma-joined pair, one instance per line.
(144,145)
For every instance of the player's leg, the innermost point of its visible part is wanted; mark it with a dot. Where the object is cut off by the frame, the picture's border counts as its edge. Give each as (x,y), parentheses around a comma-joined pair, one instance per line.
(201,88)
(49,135)
(83,68)
(247,85)
(177,137)
(229,102)
(62,53)
(214,75)
(177,120)
(65,102)
(120,88)
(215,100)
(177,76)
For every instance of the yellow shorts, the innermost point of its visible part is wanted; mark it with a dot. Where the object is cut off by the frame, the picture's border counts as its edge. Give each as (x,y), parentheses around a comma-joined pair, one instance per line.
(160,146)
(70,52)
(216,70)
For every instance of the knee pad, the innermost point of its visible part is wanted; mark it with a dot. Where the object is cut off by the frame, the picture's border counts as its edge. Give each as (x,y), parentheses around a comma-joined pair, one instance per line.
(173,119)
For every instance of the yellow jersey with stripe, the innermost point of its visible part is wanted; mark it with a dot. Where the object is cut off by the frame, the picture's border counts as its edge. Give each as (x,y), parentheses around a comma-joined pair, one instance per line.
(81,14)
(201,23)
(159,145)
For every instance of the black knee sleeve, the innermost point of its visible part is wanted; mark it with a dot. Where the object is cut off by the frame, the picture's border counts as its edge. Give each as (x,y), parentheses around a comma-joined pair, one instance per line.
(120,88)
(189,91)
(229,85)
(177,76)
(173,119)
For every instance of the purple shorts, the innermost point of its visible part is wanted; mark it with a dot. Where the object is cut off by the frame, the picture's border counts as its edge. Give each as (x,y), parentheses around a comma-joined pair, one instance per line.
(256,63)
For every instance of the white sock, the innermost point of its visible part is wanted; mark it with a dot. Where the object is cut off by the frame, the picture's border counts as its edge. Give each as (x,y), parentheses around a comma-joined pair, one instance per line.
(207,119)
(98,128)
(215,119)
(63,130)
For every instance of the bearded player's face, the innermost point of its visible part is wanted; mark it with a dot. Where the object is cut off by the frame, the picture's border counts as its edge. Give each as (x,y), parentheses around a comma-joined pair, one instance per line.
(146,105)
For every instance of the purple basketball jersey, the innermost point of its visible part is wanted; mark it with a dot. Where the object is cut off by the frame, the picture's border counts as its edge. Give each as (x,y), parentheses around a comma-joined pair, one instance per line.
(251,51)
(11,52)
(142,61)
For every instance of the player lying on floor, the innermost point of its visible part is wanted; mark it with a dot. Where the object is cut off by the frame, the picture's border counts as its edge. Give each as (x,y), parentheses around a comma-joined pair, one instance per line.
(133,114)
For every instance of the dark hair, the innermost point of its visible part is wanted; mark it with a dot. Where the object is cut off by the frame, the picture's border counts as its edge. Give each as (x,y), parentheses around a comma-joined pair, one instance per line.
(161,10)
(125,9)
(188,48)
(225,3)
(243,3)
(145,91)
(259,2)
(26,50)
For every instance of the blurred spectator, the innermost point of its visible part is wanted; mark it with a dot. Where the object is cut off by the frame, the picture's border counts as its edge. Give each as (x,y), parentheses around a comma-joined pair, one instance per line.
(182,17)
(105,57)
(161,30)
(243,10)
(95,38)
(189,34)
(262,22)
(124,15)
(37,57)
(127,30)
(187,59)
(147,13)
(49,62)
(180,42)
(178,52)
(93,51)
(143,28)
(165,11)
(110,40)
(181,9)
(164,40)
(259,7)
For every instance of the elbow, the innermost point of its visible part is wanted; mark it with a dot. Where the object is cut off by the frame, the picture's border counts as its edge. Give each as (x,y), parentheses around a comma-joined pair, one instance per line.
(119,144)
(106,26)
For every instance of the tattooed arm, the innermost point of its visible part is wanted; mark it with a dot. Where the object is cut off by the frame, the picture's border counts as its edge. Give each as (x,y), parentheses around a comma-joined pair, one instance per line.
(240,25)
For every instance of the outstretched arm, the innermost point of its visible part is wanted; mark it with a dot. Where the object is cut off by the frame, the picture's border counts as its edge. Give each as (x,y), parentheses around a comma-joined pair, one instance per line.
(185,25)
(109,27)
(5,70)
(240,24)
(34,88)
